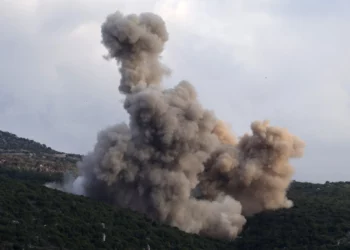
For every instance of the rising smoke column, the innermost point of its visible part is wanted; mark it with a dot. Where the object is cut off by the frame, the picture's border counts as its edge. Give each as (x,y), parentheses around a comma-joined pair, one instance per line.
(136,42)
(173,146)
(153,164)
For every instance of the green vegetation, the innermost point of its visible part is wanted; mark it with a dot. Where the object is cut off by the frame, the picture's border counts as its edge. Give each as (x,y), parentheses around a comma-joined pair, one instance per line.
(35,217)
(39,178)
(23,154)
(32,215)
(9,141)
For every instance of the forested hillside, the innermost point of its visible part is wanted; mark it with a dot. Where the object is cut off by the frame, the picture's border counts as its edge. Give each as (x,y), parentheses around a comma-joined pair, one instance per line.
(24,154)
(11,142)
(35,217)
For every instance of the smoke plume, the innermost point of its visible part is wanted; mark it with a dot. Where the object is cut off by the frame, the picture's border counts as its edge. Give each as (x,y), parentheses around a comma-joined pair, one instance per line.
(175,161)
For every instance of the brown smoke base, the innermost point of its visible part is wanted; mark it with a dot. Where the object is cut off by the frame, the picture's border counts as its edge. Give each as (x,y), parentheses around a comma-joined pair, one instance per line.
(256,171)
(175,161)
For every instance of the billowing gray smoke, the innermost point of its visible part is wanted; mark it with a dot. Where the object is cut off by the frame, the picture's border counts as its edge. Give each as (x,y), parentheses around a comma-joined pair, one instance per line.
(173,147)
(136,42)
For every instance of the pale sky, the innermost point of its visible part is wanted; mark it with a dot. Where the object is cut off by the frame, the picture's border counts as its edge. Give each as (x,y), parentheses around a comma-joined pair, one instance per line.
(287,61)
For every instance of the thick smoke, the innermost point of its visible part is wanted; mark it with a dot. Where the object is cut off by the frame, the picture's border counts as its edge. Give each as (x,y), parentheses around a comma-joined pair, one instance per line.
(136,42)
(256,171)
(174,160)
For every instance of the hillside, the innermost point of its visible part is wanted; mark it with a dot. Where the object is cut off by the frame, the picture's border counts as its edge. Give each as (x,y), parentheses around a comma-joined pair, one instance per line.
(12,143)
(24,154)
(33,215)
(36,217)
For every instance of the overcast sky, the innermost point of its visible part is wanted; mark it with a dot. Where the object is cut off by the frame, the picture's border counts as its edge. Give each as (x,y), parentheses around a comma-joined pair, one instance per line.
(287,61)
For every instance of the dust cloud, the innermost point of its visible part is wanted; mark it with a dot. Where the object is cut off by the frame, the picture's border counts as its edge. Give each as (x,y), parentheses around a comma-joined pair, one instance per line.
(175,161)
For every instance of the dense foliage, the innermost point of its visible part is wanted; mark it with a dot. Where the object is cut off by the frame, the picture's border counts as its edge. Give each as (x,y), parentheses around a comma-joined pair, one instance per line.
(39,178)
(23,154)
(32,215)
(10,141)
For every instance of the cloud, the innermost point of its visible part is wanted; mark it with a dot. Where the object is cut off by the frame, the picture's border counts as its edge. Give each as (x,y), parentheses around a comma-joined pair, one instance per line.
(296,52)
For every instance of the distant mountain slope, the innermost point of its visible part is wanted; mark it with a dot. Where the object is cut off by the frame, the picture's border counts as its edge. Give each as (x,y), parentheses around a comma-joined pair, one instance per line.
(21,153)
(11,142)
